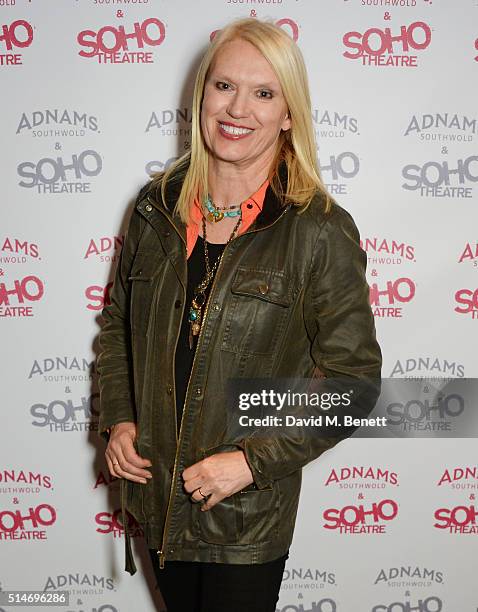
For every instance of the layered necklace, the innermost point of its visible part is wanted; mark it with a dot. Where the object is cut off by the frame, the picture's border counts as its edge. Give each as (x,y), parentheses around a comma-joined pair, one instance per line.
(215,214)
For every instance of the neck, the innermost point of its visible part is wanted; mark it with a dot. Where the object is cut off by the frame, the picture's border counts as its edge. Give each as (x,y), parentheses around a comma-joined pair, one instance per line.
(230,184)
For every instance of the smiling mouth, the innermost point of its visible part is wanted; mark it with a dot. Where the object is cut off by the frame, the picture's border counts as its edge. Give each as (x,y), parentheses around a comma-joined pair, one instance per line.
(233,130)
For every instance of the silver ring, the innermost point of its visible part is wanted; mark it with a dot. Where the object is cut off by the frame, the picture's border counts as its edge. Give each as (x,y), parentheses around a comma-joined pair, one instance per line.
(201,493)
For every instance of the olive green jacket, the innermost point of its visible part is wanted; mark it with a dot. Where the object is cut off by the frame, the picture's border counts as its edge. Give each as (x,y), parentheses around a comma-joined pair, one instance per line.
(289,299)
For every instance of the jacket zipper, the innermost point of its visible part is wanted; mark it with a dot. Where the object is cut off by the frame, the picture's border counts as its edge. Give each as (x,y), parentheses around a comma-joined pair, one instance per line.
(161,552)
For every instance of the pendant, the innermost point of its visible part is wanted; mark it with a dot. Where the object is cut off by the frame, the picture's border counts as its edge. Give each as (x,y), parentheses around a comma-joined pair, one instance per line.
(194,321)
(215,216)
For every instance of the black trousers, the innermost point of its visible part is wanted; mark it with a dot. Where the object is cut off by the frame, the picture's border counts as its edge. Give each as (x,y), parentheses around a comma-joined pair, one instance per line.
(191,586)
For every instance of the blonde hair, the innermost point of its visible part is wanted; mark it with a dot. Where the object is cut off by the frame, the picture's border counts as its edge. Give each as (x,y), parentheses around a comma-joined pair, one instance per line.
(296,146)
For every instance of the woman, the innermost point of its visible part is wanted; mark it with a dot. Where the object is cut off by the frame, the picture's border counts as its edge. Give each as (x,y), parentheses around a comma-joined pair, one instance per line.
(236,264)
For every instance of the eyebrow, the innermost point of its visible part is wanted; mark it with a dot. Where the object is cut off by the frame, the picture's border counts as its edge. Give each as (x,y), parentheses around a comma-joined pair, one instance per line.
(222,77)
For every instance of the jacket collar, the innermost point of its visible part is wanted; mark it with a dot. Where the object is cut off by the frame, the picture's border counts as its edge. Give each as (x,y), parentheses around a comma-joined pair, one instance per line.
(271,209)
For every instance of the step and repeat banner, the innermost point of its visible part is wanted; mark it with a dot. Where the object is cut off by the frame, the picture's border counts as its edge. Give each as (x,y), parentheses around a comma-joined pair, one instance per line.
(95,96)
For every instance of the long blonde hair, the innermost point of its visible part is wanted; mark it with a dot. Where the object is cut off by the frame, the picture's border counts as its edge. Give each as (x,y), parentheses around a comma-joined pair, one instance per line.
(296,146)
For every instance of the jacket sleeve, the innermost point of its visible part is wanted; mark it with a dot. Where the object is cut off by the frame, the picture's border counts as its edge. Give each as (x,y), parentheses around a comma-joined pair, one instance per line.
(340,324)
(113,363)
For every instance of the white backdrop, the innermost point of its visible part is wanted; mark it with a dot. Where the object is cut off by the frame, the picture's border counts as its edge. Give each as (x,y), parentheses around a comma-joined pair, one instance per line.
(394,95)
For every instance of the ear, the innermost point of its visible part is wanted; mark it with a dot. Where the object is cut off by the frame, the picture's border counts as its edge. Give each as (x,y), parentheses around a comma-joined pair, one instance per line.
(286,123)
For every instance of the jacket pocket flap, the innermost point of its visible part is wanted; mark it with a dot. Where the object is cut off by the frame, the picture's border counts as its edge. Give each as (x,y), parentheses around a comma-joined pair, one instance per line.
(268,285)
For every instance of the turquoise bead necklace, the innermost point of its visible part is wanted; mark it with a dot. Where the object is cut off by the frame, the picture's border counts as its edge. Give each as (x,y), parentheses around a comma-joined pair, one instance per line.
(216,214)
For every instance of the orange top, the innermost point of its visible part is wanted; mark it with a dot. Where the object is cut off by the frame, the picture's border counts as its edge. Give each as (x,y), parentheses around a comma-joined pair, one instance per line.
(250,209)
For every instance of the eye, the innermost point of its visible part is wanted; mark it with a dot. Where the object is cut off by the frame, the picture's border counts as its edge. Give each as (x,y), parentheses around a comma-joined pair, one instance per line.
(222,85)
(265,94)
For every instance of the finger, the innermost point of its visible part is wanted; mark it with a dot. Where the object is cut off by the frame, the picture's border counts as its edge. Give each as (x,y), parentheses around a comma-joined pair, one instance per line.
(111,466)
(131,455)
(192,471)
(195,483)
(126,465)
(126,470)
(196,495)
(211,502)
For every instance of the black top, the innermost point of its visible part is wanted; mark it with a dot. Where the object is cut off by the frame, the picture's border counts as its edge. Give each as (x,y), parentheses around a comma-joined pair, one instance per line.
(185,355)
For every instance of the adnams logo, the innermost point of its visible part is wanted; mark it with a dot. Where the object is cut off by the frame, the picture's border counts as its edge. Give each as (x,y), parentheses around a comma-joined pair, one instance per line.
(57,123)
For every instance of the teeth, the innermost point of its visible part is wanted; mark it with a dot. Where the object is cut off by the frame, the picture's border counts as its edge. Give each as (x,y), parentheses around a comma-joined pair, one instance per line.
(234,130)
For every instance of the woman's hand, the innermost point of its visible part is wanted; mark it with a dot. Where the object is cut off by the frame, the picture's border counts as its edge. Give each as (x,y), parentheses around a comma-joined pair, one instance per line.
(218,476)
(121,456)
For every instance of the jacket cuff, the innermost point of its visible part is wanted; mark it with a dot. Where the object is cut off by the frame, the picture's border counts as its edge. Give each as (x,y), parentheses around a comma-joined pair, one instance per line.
(255,464)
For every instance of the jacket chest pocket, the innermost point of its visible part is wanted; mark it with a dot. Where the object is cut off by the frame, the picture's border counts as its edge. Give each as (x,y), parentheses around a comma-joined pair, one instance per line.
(141,281)
(257,311)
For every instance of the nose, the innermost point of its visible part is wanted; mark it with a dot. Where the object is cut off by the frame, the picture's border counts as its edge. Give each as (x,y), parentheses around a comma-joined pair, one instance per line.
(238,104)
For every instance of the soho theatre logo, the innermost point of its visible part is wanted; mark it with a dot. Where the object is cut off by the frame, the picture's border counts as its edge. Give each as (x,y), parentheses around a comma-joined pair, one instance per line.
(457,517)
(65,414)
(109,523)
(431,411)
(98,296)
(436,178)
(27,522)
(343,165)
(20,296)
(389,296)
(14,37)
(396,46)
(361,518)
(448,172)
(466,300)
(133,43)
(362,515)
(66,173)
(59,123)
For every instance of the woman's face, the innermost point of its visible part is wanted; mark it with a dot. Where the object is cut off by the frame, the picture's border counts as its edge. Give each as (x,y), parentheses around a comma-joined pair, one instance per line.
(243,108)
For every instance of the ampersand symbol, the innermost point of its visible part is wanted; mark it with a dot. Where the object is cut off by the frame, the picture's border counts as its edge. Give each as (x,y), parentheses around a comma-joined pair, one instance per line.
(119,13)
(387,16)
